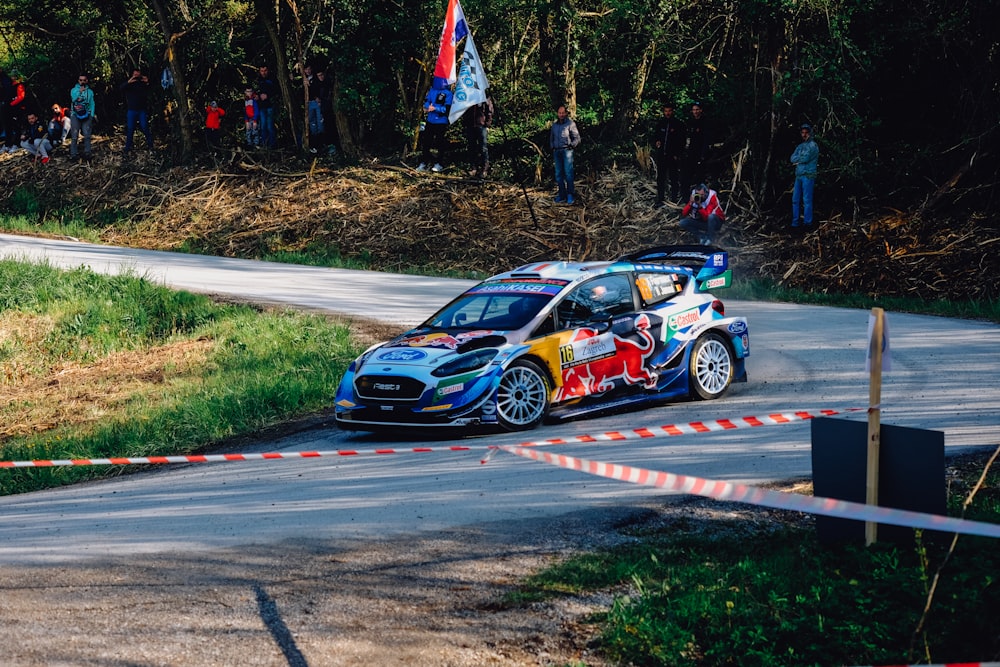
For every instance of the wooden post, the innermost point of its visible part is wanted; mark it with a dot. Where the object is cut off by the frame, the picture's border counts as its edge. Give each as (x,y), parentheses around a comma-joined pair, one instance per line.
(874,418)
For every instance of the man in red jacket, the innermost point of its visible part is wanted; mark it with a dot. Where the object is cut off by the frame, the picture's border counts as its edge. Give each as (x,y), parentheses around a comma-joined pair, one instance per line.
(703,214)
(17,112)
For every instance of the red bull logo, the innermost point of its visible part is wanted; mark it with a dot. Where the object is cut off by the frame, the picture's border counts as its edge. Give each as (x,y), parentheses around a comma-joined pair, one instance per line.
(442,339)
(594,363)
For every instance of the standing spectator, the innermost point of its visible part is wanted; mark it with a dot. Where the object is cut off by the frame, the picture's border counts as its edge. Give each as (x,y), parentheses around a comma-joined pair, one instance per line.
(7,127)
(478,120)
(698,143)
(326,107)
(563,138)
(805,157)
(136,90)
(703,214)
(213,125)
(316,90)
(251,118)
(437,104)
(81,116)
(668,150)
(267,99)
(18,105)
(59,125)
(35,140)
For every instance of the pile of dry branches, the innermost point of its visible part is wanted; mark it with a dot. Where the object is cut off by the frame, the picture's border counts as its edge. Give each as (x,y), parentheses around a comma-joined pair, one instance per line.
(392,218)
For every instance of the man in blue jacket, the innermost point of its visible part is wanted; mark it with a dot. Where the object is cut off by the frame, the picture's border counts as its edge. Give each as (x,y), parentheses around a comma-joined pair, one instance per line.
(805,158)
(437,106)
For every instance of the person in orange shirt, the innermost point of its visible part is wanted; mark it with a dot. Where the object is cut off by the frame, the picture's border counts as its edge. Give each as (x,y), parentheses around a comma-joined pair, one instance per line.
(213,125)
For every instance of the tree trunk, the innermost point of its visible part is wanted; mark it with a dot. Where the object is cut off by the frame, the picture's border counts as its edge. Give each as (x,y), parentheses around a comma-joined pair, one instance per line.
(264,13)
(347,145)
(627,114)
(569,73)
(300,55)
(182,146)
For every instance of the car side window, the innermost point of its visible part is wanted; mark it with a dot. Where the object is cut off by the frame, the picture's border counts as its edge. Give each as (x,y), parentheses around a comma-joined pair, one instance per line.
(656,288)
(606,295)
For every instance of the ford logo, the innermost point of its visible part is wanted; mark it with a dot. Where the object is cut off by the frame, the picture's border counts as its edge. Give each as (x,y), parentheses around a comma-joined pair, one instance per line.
(402,355)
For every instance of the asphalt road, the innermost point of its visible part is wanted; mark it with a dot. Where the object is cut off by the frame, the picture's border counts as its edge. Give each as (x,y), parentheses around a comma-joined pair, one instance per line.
(945,376)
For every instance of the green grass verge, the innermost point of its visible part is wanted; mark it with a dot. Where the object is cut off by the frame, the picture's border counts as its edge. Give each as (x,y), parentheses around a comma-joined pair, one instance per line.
(68,226)
(263,367)
(733,595)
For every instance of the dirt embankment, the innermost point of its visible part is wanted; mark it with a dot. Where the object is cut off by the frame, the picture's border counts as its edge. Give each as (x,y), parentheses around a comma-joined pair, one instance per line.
(391,218)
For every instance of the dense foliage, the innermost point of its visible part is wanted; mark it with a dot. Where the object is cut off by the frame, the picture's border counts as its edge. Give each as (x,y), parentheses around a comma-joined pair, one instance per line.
(903,94)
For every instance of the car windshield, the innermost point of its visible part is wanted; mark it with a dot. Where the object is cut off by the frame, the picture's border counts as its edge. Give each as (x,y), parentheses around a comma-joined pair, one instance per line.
(503,312)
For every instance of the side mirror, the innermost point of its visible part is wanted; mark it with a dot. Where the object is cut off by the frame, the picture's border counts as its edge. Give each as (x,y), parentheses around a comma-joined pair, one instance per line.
(601,322)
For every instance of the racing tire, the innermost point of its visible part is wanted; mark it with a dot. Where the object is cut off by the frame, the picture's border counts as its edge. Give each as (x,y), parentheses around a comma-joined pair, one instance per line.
(711,367)
(523,396)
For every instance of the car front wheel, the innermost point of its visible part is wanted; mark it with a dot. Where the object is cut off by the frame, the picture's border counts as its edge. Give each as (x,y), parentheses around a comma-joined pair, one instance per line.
(523,396)
(711,368)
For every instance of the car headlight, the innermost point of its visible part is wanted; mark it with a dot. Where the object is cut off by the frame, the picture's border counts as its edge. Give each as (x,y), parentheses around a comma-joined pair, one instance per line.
(466,363)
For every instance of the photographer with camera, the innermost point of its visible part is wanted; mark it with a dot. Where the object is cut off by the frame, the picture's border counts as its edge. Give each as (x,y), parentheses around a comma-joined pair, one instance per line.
(703,214)
(136,89)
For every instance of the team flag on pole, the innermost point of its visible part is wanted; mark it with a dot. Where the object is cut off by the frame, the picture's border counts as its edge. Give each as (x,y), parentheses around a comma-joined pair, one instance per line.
(455,28)
(470,89)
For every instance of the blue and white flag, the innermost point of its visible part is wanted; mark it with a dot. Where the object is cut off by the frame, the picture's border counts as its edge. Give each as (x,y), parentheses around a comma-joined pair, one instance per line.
(470,89)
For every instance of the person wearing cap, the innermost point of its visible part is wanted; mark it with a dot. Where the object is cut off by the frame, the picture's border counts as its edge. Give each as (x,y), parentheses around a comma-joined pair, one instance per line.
(213,124)
(669,138)
(703,214)
(805,158)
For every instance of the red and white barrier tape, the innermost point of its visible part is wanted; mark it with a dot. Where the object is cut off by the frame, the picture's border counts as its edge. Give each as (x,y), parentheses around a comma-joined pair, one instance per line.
(741,493)
(220,458)
(691,428)
(610,436)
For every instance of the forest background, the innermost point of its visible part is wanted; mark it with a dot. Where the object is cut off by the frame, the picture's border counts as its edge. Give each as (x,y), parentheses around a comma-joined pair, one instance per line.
(904,96)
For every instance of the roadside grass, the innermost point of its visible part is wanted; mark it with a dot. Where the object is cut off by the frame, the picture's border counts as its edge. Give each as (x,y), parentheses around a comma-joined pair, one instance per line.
(94,366)
(63,226)
(751,594)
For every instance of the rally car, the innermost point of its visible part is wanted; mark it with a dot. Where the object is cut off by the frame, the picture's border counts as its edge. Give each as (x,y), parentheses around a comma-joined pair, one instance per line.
(557,340)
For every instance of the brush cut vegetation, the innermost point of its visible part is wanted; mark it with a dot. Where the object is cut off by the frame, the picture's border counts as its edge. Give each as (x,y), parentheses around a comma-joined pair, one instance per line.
(96,366)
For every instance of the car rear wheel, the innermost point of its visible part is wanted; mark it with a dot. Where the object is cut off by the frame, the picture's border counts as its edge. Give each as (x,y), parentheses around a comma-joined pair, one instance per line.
(523,396)
(711,366)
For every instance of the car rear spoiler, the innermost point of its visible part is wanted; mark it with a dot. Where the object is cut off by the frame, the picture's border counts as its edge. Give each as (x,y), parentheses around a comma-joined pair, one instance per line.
(712,263)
